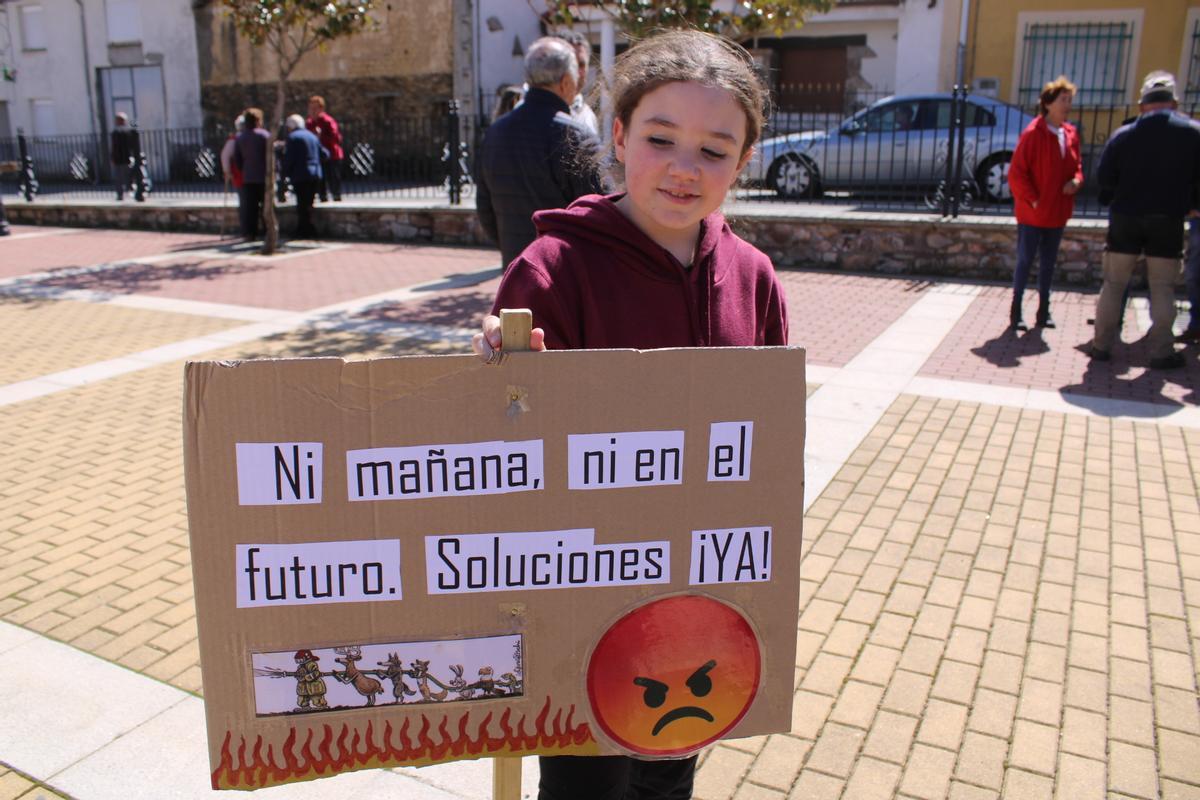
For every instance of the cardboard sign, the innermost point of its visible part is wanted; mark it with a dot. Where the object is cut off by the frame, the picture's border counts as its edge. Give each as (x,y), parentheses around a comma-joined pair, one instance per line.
(413,560)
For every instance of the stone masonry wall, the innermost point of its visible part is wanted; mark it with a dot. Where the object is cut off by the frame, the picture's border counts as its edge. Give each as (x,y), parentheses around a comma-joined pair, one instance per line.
(960,249)
(910,247)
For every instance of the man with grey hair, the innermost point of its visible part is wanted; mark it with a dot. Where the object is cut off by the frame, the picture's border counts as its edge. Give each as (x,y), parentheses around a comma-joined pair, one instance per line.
(1149,176)
(536,156)
(580,110)
(302,156)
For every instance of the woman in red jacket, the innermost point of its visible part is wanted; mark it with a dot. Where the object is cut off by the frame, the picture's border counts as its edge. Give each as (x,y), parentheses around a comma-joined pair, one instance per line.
(1044,176)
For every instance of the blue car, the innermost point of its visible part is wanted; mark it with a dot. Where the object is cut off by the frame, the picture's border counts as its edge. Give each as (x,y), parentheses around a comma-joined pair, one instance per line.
(899,142)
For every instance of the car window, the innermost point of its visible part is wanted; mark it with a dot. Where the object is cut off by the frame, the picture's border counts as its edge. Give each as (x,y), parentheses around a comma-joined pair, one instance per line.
(890,118)
(979,117)
(937,114)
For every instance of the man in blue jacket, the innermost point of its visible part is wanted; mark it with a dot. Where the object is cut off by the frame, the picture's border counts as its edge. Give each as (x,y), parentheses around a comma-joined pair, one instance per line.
(302,156)
(1149,175)
(536,156)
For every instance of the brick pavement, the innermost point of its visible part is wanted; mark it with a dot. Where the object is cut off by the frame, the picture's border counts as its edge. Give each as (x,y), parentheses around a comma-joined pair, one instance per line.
(996,601)
(982,348)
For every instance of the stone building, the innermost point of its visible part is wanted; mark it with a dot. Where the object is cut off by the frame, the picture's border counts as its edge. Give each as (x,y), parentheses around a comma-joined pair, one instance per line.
(399,74)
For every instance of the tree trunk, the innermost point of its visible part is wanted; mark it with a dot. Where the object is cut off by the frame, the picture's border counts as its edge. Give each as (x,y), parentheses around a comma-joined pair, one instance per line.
(270,223)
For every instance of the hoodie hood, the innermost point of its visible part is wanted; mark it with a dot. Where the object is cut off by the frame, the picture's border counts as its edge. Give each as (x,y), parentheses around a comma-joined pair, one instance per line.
(596,219)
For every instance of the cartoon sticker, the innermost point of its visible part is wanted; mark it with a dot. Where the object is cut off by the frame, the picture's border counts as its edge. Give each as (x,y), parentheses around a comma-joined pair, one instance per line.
(674,675)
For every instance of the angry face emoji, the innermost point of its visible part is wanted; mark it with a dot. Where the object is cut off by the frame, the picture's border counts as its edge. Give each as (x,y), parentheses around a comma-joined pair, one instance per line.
(674,675)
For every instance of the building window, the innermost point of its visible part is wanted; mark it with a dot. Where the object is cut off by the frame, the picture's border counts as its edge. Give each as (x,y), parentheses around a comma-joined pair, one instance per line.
(124,21)
(33,31)
(42,113)
(1191,63)
(1095,56)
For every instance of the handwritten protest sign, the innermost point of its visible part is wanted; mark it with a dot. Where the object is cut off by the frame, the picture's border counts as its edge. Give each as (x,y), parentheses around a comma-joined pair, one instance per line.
(414,560)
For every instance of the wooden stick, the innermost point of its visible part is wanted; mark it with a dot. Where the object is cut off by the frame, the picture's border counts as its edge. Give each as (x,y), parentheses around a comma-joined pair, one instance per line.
(515,327)
(506,778)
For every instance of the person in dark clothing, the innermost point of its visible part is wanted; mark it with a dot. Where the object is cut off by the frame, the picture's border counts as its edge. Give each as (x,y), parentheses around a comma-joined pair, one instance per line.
(326,129)
(302,157)
(1149,175)
(654,266)
(123,149)
(251,158)
(536,156)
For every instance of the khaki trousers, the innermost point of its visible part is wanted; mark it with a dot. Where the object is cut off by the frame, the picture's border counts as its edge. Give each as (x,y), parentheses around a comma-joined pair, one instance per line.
(1161,274)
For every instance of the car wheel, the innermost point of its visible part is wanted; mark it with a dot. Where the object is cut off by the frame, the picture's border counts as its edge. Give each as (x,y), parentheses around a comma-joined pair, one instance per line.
(793,176)
(992,178)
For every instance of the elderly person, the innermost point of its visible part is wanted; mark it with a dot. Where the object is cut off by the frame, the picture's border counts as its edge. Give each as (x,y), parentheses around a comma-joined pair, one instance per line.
(326,129)
(1150,175)
(536,156)
(250,156)
(580,110)
(1045,173)
(302,157)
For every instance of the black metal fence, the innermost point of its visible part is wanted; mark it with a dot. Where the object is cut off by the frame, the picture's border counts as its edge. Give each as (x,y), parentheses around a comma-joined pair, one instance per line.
(409,158)
(946,153)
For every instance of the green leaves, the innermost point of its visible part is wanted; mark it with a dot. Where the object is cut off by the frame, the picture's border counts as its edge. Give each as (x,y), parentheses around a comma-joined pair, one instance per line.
(265,21)
(636,18)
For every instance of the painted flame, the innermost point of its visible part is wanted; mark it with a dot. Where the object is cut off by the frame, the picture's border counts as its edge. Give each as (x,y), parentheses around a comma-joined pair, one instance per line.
(355,750)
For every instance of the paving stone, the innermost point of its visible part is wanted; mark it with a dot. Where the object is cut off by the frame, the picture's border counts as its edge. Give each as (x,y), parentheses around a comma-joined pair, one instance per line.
(927,774)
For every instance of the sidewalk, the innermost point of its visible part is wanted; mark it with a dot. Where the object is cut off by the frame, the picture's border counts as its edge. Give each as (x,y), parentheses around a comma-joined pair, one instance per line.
(1000,589)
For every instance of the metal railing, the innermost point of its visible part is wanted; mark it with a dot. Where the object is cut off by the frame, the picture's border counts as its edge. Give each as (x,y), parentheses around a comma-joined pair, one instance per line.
(944,153)
(408,158)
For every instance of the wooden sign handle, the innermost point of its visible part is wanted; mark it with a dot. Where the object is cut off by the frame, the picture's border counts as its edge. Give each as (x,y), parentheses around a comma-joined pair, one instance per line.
(515,327)
(506,778)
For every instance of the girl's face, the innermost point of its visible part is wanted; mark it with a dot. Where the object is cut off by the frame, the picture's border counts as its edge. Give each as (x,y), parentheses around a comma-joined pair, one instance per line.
(682,152)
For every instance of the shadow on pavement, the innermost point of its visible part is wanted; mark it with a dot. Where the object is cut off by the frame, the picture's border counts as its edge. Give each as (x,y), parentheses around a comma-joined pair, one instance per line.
(1007,349)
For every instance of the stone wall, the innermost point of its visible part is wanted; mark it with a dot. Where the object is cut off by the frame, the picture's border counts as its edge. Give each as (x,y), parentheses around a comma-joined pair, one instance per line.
(984,250)
(913,246)
(378,102)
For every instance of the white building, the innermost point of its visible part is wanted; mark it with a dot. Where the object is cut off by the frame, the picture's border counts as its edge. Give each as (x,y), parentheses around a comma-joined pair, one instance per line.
(869,46)
(70,65)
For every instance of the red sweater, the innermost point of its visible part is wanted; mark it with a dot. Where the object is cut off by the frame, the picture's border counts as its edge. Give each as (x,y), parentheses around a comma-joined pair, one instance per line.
(326,129)
(1038,171)
(594,280)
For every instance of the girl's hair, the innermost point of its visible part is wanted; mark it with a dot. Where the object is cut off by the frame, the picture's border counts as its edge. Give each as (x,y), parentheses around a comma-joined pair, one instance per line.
(683,56)
(253,117)
(1052,90)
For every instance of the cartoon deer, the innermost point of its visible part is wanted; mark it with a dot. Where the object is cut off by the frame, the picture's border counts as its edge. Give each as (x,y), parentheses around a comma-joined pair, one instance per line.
(366,686)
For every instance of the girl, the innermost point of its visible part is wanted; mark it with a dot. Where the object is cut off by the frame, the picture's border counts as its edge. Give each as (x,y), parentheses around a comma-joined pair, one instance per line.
(653,266)
(1044,176)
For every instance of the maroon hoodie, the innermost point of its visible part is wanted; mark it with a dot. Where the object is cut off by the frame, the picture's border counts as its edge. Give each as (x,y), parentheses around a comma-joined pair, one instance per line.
(594,280)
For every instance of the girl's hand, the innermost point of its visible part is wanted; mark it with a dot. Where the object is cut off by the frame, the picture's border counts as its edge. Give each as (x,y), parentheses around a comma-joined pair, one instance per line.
(1070,187)
(487,343)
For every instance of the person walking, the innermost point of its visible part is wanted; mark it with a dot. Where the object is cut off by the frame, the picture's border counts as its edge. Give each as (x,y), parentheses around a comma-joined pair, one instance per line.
(302,157)
(123,147)
(1150,175)
(653,266)
(535,156)
(1044,176)
(330,135)
(250,156)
